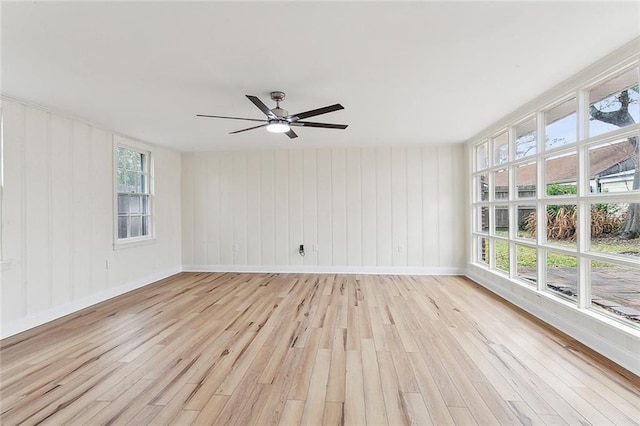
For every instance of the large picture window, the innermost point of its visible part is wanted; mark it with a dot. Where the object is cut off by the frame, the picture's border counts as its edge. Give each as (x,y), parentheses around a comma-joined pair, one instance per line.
(561,214)
(133,193)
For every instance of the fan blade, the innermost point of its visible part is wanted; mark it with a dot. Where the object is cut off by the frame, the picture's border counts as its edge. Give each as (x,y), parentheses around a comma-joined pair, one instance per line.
(250,128)
(229,118)
(314,112)
(291,134)
(322,125)
(261,106)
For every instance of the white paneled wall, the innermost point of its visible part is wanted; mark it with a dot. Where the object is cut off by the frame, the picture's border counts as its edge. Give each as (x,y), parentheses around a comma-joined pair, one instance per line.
(356,209)
(57,218)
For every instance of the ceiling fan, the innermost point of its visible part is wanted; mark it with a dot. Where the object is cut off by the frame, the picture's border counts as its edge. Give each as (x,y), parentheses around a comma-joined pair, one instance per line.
(280,121)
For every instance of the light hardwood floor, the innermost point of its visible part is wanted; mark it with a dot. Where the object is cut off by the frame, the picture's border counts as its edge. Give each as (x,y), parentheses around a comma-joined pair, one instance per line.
(201,348)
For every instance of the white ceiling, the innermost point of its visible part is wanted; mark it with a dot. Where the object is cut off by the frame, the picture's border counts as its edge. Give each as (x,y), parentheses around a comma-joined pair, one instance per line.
(407,72)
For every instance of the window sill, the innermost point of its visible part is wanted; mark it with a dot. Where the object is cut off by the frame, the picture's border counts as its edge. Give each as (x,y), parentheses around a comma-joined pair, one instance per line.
(123,244)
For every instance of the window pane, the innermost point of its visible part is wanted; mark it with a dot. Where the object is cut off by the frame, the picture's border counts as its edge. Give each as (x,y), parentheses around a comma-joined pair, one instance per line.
(501,149)
(134,204)
(483,219)
(142,184)
(143,163)
(132,179)
(607,221)
(527,222)
(616,288)
(501,184)
(561,124)
(136,161)
(526,138)
(121,155)
(562,225)
(145,225)
(614,104)
(136,226)
(482,158)
(526,180)
(502,256)
(483,250)
(123,204)
(122,227)
(613,165)
(562,274)
(121,183)
(501,220)
(527,260)
(145,204)
(561,174)
(482,188)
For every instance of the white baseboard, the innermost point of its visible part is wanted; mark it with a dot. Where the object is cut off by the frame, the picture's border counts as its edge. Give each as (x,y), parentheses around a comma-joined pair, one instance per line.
(31,321)
(283,269)
(600,334)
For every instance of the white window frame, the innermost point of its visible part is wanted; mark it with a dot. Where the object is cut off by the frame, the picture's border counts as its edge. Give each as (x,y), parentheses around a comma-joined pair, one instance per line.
(121,142)
(582,199)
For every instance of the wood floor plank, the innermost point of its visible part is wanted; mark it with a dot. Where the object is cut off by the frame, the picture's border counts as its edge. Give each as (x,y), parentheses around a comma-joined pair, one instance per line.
(373,396)
(292,412)
(396,410)
(354,407)
(314,403)
(268,349)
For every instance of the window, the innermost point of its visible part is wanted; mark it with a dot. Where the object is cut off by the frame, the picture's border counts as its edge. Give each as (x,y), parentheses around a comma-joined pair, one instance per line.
(133,193)
(557,210)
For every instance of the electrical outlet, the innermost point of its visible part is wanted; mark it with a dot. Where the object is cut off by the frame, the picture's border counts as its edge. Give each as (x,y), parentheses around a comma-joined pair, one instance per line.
(400,248)
(315,248)
(235,247)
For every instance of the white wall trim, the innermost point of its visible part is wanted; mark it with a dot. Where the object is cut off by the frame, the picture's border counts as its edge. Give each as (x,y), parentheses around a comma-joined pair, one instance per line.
(283,269)
(589,336)
(23,324)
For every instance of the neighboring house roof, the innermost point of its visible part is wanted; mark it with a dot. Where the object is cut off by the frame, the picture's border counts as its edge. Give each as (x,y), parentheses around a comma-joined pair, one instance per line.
(604,161)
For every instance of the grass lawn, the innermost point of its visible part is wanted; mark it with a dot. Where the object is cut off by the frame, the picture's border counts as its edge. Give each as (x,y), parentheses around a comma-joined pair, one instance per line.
(527,257)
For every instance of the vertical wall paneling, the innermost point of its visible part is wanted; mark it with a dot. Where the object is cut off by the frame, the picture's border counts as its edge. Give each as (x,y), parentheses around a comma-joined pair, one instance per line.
(61,206)
(201,213)
(13,209)
(37,209)
(240,208)
(254,243)
(325,245)
(310,206)
(456,204)
(446,207)
(226,208)
(82,232)
(369,207)
(414,206)
(430,206)
(399,205)
(101,201)
(295,207)
(188,208)
(267,213)
(361,207)
(384,212)
(281,188)
(212,164)
(58,223)
(354,207)
(339,206)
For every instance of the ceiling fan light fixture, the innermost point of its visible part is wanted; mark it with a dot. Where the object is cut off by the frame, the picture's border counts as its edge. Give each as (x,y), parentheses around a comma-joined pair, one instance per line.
(278,127)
